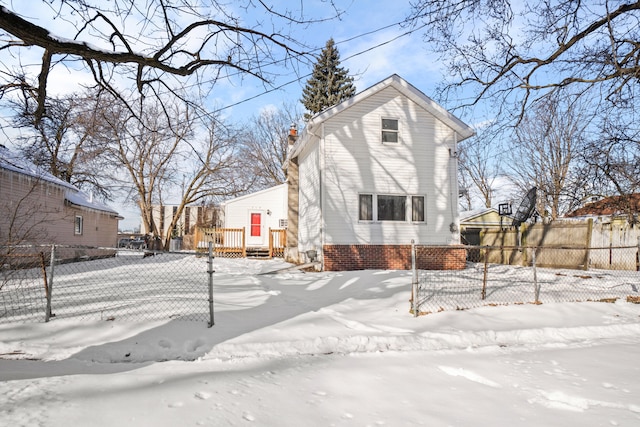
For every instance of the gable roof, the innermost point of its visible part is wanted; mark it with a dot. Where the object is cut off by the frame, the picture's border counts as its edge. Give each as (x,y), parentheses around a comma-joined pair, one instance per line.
(476,213)
(401,85)
(280,187)
(16,164)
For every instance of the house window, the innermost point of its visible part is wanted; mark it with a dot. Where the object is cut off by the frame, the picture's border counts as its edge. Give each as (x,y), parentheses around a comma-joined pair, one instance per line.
(390,130)
(392,208)
(365,207)
(384,207)
(283,223)
(78,225)
(417,208)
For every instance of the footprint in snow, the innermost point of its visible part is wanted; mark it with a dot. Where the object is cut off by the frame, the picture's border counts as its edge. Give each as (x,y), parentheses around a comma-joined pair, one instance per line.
(202,395)
(471,376)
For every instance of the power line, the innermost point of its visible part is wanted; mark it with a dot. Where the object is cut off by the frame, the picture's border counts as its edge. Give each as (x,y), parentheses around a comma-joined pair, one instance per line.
(347,58)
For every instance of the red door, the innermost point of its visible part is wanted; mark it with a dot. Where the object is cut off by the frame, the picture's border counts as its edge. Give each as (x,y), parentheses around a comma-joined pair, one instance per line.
(256,225)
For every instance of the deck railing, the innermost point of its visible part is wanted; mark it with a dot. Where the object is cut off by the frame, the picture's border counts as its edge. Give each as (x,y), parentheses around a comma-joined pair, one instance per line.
(277,242)
(231,242)
(227,242)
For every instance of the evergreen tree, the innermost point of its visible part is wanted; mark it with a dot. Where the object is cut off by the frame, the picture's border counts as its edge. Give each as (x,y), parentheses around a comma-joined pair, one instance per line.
(329,83)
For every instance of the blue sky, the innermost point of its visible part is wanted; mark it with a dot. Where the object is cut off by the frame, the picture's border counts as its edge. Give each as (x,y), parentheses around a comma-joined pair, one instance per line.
(370,51)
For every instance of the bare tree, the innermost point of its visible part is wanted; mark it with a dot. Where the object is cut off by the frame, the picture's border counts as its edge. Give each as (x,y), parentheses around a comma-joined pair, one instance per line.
(156,44)
(479,164)
(171,155)
(546,154)
(265,146)
(612,157)
(508,51)
(63,141)
(147,147)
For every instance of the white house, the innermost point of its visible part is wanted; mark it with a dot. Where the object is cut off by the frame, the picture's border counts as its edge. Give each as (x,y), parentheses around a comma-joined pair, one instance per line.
(371,174)
(257,213)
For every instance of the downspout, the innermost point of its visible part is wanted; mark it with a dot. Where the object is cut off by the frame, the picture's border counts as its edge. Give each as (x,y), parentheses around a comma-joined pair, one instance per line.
(322,198)
(455,190)
(321,165)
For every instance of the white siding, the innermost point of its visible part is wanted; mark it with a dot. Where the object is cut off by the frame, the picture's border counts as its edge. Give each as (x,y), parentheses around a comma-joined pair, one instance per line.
(272,203)
(357,162)
(310,215)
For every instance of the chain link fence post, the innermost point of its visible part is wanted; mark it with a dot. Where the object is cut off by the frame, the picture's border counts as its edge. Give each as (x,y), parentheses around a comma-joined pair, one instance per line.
(484,272)
(536,285)
(210,271)
(414,281)
(52,262)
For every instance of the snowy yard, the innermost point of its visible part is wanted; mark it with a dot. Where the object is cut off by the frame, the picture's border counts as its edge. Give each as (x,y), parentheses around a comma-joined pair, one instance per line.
(328,349)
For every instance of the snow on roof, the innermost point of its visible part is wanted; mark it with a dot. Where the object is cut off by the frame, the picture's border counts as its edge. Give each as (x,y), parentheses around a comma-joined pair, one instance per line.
(81,199)
(14,163)
(474,213)
(257,193)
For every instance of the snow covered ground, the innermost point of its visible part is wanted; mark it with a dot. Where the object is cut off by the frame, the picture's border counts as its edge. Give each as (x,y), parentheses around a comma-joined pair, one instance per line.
(328,349)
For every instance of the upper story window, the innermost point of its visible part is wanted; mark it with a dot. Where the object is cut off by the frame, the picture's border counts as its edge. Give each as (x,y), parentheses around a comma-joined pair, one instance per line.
(390,130)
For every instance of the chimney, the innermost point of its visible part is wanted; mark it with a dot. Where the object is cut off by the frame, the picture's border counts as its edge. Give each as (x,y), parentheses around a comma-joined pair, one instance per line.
(293,134)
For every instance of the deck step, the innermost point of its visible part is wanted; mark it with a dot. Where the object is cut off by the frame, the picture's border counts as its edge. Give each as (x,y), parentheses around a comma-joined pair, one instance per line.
(258,253)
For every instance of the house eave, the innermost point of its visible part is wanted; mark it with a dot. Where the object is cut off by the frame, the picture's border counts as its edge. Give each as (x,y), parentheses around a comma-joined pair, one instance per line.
(463,130)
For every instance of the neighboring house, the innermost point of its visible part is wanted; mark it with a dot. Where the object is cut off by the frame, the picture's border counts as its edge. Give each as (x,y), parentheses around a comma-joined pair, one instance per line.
(191,216)
(38,208)
(625,207)
(615,221)
(257,213)
(371,174)
(474,221)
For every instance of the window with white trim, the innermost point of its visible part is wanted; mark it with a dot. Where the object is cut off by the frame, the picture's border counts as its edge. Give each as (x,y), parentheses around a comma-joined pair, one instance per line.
(390,207)
(77,229)
(365,207)
(390,130)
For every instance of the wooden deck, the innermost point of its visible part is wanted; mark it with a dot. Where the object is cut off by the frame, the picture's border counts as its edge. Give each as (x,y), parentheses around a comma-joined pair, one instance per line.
(231,243)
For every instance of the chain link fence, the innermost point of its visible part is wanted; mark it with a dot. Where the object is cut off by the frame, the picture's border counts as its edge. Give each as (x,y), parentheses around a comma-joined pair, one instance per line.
(500,275)
(64,282)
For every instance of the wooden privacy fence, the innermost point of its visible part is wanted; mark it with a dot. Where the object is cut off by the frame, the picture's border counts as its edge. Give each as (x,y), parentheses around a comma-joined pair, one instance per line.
(584,244)
(231,242)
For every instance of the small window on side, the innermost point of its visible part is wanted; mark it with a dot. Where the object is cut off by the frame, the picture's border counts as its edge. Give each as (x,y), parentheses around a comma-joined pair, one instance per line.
(78,225)
(390,130)
(365,207)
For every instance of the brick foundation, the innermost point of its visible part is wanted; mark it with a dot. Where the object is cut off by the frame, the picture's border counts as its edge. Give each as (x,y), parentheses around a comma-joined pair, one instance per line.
(392,257)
